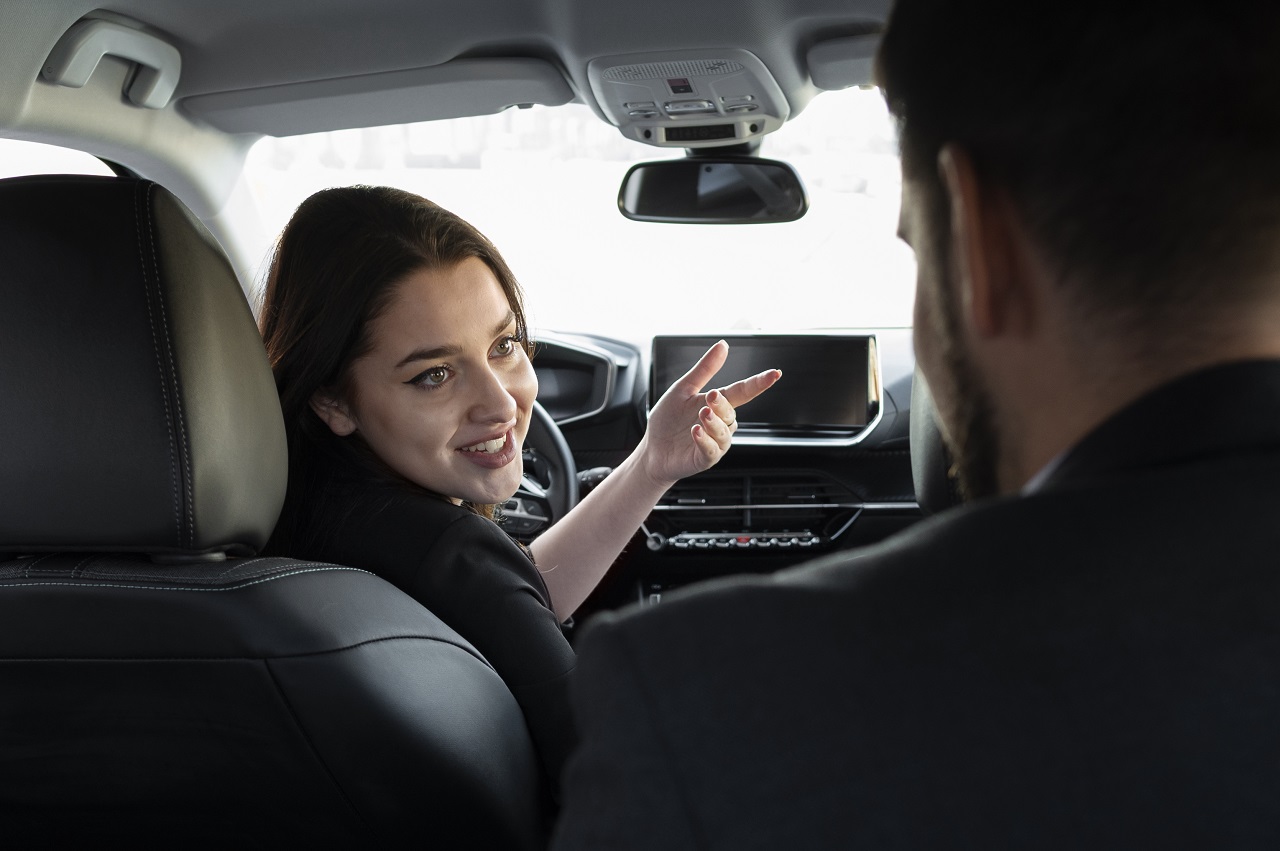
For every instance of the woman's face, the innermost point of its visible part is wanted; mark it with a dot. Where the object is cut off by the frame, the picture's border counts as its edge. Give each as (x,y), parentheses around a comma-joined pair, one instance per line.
(444,394)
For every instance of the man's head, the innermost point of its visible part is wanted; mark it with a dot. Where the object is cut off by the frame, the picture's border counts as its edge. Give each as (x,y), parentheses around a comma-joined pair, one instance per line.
(1129,154)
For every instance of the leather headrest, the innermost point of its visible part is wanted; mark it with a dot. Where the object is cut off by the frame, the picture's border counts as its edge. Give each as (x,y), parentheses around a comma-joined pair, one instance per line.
(930,460)
(139,411)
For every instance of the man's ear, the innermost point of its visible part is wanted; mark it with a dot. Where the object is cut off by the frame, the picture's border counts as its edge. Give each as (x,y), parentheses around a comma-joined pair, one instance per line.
(334,412)
(985,250)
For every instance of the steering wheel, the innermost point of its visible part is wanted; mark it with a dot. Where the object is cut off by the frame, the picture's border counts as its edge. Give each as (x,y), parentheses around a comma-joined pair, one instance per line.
(549,487)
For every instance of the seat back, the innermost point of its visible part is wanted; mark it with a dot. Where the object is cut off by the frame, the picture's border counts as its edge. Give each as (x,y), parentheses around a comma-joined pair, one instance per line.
(159,682)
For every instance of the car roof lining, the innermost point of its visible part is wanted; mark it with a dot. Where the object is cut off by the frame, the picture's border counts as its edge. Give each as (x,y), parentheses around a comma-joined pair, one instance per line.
(304,46)
(238,45)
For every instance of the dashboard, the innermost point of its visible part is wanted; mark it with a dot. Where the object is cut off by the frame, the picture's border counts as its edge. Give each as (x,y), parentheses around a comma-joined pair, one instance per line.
(824,466)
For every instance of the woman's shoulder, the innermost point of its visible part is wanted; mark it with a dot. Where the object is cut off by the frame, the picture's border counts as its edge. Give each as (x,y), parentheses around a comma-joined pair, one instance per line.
(398,533)
(395,514)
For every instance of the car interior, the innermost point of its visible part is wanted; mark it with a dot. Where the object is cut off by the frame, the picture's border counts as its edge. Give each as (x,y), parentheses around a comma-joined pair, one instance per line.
(162,674)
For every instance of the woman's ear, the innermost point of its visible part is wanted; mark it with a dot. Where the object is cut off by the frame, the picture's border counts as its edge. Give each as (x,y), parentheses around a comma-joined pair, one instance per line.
(334,412)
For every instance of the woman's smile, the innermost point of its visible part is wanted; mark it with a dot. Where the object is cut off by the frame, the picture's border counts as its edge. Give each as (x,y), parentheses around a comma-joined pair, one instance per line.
(492,454)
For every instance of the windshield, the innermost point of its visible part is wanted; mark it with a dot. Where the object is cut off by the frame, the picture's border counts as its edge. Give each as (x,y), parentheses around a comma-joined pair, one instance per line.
(542,183)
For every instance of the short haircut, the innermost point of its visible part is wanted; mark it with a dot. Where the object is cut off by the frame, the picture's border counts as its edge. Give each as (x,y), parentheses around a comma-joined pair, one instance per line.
(1139,140)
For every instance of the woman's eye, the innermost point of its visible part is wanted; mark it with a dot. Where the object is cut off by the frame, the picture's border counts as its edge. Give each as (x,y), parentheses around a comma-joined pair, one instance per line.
(430,379)
(506,346)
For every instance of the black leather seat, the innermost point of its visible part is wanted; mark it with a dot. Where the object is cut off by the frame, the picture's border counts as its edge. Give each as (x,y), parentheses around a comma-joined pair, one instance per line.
(157,681)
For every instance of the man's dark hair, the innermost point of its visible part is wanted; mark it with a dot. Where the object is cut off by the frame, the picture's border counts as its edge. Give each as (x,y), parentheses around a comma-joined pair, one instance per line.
(1139,140)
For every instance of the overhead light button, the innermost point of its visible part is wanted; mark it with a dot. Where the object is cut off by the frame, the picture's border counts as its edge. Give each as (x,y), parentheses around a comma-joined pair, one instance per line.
(689,107)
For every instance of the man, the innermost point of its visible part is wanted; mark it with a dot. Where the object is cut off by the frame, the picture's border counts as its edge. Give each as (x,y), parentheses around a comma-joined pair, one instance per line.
(1088,653)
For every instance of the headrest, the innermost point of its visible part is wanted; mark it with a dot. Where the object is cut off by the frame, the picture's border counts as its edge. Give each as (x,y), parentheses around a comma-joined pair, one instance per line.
(139,411)
(930,460)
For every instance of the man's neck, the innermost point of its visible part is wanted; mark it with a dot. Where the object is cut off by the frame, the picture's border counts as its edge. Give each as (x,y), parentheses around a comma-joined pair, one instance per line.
(1046,411)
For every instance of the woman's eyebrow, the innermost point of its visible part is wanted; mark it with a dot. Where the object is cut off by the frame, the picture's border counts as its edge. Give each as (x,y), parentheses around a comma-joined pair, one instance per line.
(452,349)
(429,354)
(506,321)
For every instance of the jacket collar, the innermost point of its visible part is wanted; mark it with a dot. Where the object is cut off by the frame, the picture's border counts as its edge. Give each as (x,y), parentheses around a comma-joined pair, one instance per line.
(1224,409)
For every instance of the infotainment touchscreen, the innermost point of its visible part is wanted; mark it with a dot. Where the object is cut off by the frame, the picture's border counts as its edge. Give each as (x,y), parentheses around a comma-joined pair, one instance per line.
(829,383)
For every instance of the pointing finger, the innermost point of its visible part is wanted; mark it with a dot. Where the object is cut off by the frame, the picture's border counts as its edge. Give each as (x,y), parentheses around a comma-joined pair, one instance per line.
(742,392)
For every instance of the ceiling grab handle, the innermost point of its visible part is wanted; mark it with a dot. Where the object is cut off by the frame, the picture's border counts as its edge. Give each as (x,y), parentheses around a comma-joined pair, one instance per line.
(81,48)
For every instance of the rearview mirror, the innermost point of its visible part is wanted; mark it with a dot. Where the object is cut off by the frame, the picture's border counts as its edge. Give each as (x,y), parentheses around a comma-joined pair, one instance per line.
(701,190)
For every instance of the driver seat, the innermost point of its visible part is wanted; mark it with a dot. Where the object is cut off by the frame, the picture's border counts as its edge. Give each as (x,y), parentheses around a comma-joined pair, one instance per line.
(160,682)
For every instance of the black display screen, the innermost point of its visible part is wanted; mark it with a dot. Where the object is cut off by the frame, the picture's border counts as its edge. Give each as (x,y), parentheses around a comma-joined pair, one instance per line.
(826,381)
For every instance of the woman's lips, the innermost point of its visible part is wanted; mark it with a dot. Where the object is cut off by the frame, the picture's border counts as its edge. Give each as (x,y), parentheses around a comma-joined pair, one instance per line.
(505,454)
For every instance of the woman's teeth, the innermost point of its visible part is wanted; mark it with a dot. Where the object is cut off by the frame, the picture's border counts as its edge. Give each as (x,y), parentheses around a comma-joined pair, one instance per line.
(489,446)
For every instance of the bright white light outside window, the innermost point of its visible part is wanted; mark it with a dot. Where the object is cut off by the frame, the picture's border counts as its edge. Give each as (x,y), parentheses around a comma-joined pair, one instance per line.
(542,184)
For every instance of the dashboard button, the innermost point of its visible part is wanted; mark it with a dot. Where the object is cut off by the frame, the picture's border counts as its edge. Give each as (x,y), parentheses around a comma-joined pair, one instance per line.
(684,107)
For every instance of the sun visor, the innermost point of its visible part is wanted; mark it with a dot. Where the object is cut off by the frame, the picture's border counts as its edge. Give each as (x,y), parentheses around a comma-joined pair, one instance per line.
(455,89)
(843,62)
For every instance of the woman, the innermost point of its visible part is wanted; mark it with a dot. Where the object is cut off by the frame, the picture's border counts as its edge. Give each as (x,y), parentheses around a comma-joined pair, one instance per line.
(398,340)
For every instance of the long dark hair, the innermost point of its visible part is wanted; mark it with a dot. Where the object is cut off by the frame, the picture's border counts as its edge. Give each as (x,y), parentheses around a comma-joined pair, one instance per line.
(334,270)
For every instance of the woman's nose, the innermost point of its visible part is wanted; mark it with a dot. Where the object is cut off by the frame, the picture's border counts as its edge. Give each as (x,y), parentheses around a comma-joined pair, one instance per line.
(493,402)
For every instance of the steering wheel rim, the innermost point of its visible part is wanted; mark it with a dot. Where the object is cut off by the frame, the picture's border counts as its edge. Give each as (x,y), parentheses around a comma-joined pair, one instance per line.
(549,486)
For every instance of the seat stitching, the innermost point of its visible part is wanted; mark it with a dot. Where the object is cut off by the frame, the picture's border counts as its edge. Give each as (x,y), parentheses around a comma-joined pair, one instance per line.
(310,654)
(87,560)
(184,450)
(240,566)
(38,584)
(155,345)
(107,573)
(26,572)
(151,577)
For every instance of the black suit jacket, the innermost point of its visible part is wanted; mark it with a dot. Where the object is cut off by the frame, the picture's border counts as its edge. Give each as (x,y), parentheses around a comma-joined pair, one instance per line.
(1094,664)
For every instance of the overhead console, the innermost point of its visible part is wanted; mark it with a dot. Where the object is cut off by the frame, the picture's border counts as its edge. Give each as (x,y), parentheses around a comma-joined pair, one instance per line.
(688,98)
(829,395)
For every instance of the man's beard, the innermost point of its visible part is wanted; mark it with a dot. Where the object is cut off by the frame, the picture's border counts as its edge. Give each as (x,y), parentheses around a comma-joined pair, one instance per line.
(969,427)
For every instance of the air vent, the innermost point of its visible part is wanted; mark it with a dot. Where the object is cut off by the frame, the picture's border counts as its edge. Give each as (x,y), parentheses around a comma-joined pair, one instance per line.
(667,70)
(765,507)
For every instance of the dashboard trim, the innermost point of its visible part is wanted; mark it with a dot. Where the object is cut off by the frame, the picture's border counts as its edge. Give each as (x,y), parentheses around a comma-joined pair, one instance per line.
(599,354)
(861,506)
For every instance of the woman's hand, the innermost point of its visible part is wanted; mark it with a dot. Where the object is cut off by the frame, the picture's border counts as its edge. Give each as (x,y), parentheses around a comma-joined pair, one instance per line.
(690,430)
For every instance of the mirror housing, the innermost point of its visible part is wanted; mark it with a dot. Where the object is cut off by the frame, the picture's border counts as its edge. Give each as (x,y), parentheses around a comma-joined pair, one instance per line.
(710,190)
